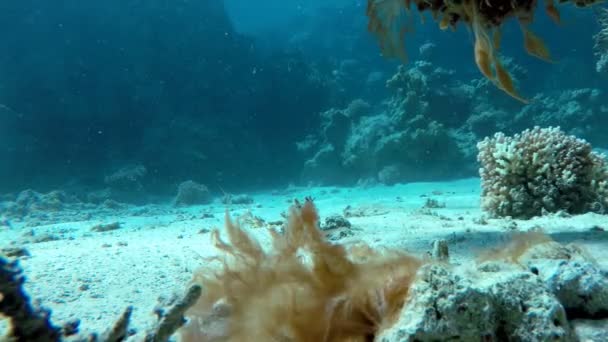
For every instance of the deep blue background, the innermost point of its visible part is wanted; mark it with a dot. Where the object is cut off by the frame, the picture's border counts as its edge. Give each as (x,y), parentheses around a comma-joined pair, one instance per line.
(195,92)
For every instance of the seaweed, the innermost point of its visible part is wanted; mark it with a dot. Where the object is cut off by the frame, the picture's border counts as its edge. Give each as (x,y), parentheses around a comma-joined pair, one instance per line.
(303,289)
(519,244)
(484,17)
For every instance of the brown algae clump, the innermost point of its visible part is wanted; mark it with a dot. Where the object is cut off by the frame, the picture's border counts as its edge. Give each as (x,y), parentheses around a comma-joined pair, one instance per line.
(483,17)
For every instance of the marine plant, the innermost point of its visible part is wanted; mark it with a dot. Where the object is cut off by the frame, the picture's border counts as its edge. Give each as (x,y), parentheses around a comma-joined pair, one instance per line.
(485,19)
(304,289)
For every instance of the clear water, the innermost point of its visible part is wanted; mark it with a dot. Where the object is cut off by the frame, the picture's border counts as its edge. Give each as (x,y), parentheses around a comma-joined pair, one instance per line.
(107,107)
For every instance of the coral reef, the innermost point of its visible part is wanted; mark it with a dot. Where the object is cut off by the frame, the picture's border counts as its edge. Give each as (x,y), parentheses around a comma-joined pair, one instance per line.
(567,271)
(334,38)
(601,42)
(125,184)
(485,19)
(579,112)
(33,206)
(494,305)
(192,193)
(425,89)
(531,289)
(578,283)
(430,125)
(329,145)
(541,170)
(412,136)
(127,178)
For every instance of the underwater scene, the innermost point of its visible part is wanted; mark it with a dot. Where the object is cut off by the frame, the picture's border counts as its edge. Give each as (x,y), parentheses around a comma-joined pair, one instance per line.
(304,171)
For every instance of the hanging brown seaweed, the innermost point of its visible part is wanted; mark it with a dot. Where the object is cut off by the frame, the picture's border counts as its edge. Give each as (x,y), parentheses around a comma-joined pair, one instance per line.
(484,17)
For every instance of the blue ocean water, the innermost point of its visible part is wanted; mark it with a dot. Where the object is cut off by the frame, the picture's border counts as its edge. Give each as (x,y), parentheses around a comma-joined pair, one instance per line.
(197,90)
(151,114)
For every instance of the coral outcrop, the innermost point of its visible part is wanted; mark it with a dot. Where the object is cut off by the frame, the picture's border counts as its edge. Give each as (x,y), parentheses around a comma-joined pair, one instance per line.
(412,136)
(581,112)
(430,125)
(541,170)
(192,193)
(500,303)
(572,276)
(127,178)
(531,289)
(328,147)
(31,205)
(601,43)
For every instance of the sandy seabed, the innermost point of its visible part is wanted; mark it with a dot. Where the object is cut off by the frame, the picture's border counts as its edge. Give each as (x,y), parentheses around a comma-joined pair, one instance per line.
(93,276)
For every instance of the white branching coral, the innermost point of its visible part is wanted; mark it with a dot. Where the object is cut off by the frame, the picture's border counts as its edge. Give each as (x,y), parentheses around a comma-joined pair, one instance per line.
(541,170)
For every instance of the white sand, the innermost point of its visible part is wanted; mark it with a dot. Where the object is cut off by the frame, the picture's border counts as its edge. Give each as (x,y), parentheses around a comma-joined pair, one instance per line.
(95,275)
